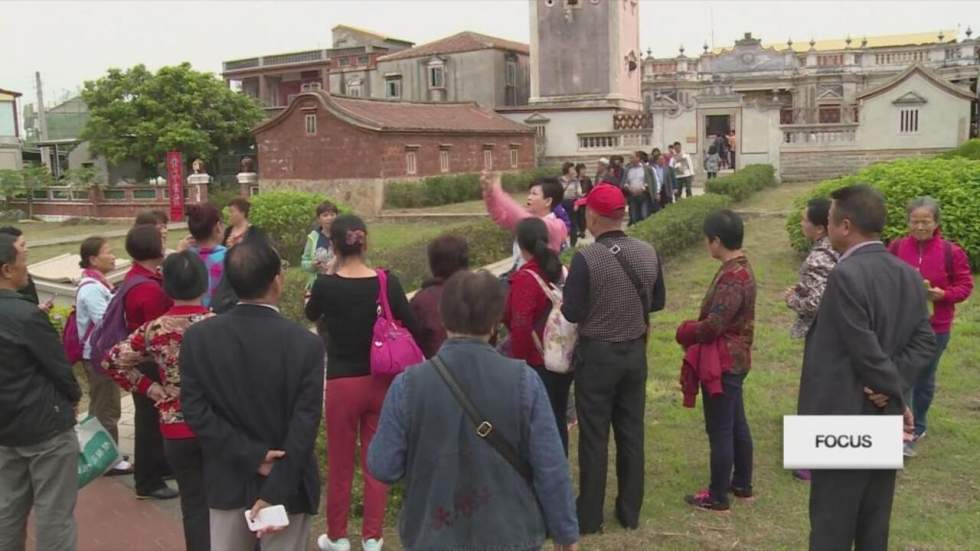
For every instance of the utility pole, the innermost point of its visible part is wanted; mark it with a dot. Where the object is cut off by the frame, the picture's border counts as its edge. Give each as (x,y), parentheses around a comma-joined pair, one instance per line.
(42,121)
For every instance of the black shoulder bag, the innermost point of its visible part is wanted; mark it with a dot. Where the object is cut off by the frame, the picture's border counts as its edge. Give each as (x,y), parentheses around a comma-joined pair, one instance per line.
(484,428)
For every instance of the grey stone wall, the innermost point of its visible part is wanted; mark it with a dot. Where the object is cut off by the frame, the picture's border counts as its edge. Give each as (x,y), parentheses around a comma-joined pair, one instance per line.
(808,166)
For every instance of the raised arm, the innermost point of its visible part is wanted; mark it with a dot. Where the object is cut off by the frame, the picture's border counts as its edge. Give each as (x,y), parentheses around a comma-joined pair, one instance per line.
(502,208)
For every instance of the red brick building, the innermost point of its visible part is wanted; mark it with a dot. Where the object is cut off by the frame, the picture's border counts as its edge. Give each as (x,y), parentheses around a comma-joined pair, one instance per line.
(349,147)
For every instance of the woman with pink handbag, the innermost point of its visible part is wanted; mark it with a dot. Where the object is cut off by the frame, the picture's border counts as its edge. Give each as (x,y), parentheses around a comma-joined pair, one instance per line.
(369,331)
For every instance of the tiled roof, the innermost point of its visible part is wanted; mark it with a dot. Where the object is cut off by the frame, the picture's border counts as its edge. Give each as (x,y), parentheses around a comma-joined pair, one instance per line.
(929,75)
(397,116)
(466,41)
(371,34)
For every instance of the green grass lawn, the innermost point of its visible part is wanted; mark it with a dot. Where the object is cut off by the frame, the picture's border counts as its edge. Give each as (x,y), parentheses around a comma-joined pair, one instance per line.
(40,231)
(936,504)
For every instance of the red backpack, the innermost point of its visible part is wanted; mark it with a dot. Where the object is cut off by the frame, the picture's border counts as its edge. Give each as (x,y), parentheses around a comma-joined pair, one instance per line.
(75,346)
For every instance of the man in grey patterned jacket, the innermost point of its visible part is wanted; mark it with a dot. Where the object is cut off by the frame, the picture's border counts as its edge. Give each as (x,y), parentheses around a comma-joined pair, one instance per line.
(612,286)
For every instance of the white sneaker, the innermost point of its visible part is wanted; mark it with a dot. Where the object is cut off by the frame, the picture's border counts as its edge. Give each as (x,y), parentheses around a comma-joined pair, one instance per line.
(372,544)
(324,543)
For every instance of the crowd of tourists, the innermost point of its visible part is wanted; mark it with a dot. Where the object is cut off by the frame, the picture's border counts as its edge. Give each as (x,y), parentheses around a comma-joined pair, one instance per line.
(466,392)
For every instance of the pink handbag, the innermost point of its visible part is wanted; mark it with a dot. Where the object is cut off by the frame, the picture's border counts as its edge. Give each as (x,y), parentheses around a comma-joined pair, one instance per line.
(393,349)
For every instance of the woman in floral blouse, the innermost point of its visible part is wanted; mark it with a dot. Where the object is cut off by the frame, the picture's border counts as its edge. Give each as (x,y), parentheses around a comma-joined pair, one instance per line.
(727,314)
(185,280)
(804,297)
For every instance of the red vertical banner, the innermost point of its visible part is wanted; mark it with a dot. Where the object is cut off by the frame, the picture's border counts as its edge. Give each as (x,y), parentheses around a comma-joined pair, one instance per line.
(175,185)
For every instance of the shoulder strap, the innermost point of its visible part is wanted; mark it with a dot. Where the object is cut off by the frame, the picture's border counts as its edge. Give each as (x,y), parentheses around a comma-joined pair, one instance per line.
(615,249)
(484,429)
(948,257)
(383,294)
(548,291)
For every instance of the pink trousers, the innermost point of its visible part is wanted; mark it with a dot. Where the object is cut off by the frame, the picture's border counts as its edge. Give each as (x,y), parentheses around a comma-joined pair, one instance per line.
(353,406)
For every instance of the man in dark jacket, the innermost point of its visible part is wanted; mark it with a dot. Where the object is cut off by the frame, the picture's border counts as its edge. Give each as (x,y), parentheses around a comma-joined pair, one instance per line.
(252,391)
(38,394)
(870,338)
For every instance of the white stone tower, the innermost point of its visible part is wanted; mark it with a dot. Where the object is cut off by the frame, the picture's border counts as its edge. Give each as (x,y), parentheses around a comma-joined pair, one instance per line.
(586,53)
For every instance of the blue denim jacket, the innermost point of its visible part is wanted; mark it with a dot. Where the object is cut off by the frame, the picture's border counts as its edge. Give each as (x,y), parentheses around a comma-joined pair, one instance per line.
(460,493)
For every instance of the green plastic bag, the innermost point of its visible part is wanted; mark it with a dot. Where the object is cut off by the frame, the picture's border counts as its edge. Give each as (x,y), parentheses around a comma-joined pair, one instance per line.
(96,450)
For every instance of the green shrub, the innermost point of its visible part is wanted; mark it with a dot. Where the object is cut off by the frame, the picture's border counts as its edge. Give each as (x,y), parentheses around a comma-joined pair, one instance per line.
(516,182)
(968,150)
(740,185)
(680,225)
(488,244)
(57,316)
(954,182)
(219,195)
(287,217)
(454,188)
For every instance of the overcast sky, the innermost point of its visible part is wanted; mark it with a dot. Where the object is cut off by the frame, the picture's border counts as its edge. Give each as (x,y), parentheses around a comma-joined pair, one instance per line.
(70,42)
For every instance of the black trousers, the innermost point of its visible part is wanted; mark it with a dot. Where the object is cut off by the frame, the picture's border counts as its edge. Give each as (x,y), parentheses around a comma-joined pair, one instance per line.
(729,437)
(151,465)
(610,388)
(850,508)
(188,462)
(557,385)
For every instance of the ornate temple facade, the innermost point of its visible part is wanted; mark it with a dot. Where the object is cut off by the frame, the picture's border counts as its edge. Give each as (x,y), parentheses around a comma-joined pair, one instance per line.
(820,108)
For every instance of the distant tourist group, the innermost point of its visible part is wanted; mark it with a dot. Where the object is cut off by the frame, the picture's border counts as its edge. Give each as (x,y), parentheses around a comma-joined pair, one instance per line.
(466,392)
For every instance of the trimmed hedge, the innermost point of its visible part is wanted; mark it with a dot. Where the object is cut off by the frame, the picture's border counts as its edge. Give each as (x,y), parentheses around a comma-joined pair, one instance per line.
(968,150)
(487,242)
(740,185)
(680,224)
(954,182)
(287,217)
(454,188)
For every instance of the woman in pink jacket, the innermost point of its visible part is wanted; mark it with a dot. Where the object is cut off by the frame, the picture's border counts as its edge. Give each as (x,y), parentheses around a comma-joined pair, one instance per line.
(543,195)
(945,271)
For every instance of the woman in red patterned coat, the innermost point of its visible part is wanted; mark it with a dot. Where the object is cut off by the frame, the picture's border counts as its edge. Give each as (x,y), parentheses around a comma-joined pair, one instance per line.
(185,280)
(527,308)
(727,313)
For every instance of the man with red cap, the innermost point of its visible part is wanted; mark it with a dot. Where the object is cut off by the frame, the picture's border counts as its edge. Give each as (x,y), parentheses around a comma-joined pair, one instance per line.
(612,286)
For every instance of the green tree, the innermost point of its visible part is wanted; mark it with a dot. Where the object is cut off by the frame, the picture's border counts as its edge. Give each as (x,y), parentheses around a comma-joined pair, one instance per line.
(11,182)
(138,114)
(26,180)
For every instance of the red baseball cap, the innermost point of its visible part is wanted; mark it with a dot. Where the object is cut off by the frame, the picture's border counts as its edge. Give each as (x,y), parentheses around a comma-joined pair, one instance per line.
(605,199)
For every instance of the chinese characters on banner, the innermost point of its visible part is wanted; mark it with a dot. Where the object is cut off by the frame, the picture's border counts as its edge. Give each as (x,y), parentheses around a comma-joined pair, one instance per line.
(175,185)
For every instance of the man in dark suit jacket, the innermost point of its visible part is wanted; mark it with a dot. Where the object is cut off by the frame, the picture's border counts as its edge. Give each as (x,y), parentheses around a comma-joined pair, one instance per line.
(252,391)
(870,338)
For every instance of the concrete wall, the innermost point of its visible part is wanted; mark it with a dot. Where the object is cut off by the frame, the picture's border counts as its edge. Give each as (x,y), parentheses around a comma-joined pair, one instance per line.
(626,18)
(99,207)
(821,164)
(563,128)
(943,119)
(478,76)
(571,57)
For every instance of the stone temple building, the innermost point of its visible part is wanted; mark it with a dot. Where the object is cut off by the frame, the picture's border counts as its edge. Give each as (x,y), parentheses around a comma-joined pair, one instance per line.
(821,108)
